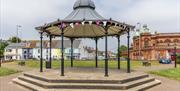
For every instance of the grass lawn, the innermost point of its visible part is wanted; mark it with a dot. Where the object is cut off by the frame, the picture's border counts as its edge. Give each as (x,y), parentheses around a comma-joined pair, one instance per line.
(112,64)
(6,71)
(173,73)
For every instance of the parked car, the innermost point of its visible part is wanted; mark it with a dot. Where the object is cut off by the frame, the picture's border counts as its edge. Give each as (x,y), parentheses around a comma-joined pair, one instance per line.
(165,61)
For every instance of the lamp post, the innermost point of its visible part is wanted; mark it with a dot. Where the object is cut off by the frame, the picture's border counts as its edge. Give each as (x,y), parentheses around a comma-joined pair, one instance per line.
(175,63)
(17,41)
(17,32)
(139,56)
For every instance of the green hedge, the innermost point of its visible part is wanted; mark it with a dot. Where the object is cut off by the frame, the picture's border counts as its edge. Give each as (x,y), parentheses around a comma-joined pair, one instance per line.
(178,58)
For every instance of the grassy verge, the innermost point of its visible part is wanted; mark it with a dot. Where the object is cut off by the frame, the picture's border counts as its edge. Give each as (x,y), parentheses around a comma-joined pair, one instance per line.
(112,64)
(6,71)
(173,73)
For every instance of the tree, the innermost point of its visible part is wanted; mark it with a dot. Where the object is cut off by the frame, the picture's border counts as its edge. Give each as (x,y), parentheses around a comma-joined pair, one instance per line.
(2,47)
(14,40)
(122,48)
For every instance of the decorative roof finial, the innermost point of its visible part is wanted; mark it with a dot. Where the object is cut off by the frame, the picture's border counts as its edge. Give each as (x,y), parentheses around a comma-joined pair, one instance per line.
(84,3)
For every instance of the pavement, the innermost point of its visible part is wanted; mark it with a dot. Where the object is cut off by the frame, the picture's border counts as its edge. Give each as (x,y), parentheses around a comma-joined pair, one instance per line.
(167,84)
(7,85)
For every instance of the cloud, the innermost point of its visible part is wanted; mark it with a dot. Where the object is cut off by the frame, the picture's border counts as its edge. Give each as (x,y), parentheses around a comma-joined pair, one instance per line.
(160,15)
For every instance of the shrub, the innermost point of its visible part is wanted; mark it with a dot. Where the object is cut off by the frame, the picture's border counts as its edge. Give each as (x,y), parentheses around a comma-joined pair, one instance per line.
(178,58)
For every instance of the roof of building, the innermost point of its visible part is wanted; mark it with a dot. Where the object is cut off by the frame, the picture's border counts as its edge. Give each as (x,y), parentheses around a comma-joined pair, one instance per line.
(84,9)
(84,3)
(36,44)
(142,30)
(16,45)
(85,22)
(168,34)
(67,44)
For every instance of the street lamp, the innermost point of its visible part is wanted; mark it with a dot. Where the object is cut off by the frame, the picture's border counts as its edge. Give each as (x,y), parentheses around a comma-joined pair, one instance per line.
(175,63)
(17,30)
(139,28)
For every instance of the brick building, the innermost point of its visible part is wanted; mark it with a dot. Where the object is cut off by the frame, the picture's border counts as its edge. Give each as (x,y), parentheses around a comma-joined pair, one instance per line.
(149,46)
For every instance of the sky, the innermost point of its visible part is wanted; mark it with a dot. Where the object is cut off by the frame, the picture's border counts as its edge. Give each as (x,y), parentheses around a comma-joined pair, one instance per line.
(159,15)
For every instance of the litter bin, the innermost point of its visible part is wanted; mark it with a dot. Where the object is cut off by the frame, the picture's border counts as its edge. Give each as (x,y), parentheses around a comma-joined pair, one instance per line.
(48,64)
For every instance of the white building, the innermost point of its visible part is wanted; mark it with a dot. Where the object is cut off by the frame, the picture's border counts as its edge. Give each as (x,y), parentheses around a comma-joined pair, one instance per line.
(31,50)
(14,51)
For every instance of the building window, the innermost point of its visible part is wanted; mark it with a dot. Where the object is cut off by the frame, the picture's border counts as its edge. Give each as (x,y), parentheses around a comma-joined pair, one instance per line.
(146,43)
(46,50)
(176,41)
(161,41)
(9,50)
(167,41)
(25,52)
(157,41)
(39,50)
(46,57)
(24,56)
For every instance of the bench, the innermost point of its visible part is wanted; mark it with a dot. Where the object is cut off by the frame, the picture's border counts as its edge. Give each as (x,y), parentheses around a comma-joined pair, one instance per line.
(146,63)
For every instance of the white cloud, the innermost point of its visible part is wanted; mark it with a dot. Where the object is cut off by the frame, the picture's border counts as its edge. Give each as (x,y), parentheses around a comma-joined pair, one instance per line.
(160,15)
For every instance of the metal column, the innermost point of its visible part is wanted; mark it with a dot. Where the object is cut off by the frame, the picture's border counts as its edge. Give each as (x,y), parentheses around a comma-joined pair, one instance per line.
(106,52)
(128,59)
(50,51)
(41,49)
(72,52)
(96,58)
(118,37)
(62,50)
(175,63)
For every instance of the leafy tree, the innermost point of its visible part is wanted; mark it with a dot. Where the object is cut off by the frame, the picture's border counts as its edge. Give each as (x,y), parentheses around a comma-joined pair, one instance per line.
(122,49)
(2,46)
(14,40)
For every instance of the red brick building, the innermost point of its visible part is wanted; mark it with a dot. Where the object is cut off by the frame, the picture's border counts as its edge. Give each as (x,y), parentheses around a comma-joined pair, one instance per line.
(150,46)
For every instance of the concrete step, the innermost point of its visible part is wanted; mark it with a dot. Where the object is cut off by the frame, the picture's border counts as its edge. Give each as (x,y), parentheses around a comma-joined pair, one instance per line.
(146,86)
(139,82)
(86,85)
(28,85)
(37,88)
(48,85)
(87,80)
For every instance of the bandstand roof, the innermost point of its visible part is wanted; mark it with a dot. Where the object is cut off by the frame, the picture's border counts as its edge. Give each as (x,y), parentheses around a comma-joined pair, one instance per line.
(85,22)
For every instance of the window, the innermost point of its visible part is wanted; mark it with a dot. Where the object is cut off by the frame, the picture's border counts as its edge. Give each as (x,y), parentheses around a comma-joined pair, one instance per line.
(175,40)
(46,50)
(146,43)
(46,57)
(25,52)
(167,41)
(39,50)
(24,56)
(157,41)
(8,50)
(161,41)
(38,44)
